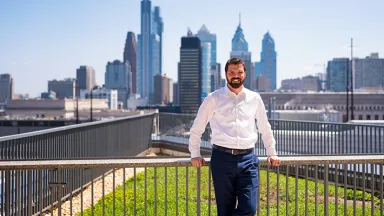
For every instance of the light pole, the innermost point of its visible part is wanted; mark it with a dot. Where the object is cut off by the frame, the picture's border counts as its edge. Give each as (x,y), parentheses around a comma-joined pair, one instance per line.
(91,104)
(77,93)
(352,74)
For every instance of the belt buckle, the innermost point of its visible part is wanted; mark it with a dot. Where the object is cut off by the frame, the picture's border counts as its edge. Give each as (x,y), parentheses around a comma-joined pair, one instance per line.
(235,152)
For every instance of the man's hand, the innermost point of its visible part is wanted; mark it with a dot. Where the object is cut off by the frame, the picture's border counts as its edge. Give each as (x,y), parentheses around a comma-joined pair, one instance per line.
(274,160)
(197,161)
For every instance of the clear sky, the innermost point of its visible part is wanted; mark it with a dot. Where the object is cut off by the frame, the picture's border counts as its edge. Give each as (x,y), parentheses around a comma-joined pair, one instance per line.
(42,40)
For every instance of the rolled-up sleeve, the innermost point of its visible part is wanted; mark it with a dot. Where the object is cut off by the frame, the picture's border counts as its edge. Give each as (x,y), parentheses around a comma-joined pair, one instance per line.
(265,128)
(203,116)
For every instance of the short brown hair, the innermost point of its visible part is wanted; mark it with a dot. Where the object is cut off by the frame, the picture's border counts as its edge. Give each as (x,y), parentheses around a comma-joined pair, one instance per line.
(235,61)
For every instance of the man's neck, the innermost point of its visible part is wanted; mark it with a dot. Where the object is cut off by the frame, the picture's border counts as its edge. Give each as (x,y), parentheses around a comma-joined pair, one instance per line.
(236,90)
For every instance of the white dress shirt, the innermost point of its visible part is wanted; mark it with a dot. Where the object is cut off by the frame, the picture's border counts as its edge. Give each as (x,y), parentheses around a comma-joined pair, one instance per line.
(232,120)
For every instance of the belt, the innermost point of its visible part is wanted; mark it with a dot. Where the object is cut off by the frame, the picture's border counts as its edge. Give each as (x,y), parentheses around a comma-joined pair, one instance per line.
(233,151)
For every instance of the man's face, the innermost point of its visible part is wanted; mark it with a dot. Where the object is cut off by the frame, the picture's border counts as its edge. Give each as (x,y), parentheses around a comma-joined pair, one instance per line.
(235,75)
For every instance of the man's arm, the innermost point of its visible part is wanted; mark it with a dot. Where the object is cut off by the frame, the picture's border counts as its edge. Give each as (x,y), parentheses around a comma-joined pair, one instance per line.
(203,116)
(265,128)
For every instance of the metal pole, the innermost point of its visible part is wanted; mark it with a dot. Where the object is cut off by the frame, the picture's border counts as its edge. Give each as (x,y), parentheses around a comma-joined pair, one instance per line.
(352,74)
(77,102)
(270,108)
(91,105)
(347,90)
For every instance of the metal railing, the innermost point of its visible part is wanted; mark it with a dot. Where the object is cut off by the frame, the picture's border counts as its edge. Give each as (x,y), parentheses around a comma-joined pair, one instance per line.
(120,137)
(292,137)
(316,185)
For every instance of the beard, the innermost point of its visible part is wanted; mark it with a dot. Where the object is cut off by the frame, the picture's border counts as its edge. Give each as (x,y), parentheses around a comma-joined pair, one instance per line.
(235,82)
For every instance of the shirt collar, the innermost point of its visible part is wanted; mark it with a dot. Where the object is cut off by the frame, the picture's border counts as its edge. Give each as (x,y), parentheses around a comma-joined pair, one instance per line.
(229,92)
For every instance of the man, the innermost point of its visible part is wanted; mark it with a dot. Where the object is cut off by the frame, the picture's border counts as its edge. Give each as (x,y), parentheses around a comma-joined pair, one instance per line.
(232,111)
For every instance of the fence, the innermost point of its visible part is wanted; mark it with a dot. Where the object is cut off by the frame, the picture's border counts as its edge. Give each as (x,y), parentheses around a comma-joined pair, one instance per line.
(122,137)
(119,137)
(292,137)
(161,186)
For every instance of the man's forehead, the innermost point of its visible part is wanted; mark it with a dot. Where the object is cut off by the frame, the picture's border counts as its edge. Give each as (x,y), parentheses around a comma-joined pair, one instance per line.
(238,67)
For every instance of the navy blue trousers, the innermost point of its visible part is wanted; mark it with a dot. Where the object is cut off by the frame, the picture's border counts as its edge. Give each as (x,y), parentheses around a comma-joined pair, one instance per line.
(235,177)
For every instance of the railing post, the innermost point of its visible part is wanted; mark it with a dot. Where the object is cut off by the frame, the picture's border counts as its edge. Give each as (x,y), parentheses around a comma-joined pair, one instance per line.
(326,170)
(198,190)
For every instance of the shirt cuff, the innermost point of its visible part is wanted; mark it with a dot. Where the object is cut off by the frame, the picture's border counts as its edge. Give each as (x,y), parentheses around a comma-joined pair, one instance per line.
(271,151)
(195,154)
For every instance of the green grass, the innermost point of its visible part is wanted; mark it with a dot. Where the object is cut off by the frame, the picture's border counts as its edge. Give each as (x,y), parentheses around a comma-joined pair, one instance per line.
(170,199)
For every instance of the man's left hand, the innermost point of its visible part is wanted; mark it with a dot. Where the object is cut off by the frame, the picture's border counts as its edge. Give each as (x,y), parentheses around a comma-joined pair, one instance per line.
(274,160)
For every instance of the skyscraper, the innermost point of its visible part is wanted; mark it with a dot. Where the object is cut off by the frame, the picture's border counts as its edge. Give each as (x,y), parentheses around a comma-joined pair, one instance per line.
(158,29)
(145,50)
(118,76)
(369,72)
(240,50)
(86,79)
(176,97)
(206,37)
(206,69)
(130,55)
(6,87)
(149,49)
(336,74)
(190,74)
(163,89)
(267,65)
(158,85)
(63,88)
(262,84)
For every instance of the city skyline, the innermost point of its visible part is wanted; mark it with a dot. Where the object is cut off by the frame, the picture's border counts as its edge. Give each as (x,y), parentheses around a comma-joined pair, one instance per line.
(63,42)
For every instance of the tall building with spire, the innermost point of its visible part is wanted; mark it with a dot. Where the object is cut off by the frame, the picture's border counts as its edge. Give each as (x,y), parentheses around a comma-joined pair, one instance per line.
(130,56)
(240,50)
(267,65)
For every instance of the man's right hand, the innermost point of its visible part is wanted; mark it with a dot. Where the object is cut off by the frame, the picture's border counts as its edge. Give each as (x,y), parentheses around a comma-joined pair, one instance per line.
(197,161)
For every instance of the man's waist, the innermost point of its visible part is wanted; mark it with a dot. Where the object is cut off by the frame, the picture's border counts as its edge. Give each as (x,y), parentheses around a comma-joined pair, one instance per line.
(233,151)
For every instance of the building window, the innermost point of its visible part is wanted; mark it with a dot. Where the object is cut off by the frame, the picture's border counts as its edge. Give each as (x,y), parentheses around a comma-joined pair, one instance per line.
(376,117)
(360,117)
(116,77)
(368,117)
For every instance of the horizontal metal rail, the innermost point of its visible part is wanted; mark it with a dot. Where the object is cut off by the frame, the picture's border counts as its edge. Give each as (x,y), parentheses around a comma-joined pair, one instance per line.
(69,127)
(312,185)
(179,161)
(292,137)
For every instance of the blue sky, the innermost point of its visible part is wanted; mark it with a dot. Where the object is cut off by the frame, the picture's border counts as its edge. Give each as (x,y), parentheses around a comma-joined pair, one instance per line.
(45,39)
